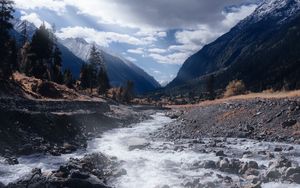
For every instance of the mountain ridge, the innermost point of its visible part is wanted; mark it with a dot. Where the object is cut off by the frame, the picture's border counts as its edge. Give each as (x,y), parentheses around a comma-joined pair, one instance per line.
(118,68)
(235,54)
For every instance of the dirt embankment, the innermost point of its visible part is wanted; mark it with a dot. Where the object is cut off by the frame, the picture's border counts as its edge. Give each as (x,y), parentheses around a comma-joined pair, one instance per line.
(58,127)
(268,119)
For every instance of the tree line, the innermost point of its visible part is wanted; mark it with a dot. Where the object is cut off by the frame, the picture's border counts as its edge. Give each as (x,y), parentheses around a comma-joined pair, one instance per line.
(41,57)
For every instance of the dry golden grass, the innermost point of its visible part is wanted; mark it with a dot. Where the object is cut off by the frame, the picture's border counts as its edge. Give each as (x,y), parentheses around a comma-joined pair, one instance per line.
(29,83)
(235,87)
(264,95)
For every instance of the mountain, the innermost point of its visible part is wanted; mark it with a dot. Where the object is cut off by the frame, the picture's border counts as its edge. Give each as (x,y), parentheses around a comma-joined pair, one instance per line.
(75,53)
(70,61)
(262,50)
(119,70)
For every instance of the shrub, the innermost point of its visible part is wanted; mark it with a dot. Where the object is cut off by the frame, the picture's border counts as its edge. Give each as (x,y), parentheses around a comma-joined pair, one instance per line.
(235,87)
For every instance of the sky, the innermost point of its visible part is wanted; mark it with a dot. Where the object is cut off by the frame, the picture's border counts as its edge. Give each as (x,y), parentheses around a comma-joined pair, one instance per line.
(156,35)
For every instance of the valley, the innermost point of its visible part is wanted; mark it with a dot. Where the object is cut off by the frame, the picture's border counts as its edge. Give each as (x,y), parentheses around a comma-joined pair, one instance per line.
(81,104)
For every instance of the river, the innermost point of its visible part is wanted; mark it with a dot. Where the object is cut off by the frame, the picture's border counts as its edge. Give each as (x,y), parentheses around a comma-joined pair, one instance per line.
(150,162)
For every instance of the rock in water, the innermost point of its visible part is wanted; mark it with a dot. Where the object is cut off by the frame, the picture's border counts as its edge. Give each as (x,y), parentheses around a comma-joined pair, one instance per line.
(220,154)
(295,178)
(289,123)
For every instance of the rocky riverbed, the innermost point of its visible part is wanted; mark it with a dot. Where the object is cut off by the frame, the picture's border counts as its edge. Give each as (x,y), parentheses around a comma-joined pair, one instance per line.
(182,148)
(276,120)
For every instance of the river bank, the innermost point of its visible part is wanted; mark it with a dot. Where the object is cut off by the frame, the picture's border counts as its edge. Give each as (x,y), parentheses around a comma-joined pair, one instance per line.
(59,127)
(265,119)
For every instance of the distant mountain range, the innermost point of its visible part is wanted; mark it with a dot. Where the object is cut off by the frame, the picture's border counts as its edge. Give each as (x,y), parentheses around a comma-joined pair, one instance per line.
(75,52)
(119,69)
(263,50)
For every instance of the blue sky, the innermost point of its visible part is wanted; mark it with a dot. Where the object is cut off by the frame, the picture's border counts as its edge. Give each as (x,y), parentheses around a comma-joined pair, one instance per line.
(157,35)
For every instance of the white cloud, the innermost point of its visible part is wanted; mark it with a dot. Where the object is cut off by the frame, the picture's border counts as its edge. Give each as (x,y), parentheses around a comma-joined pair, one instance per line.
(191,41)
(139,51)
(203,35)
(99,37)
(35,19)
(174,58)
(55,5)
(131,59)
(157,50)
(237,14)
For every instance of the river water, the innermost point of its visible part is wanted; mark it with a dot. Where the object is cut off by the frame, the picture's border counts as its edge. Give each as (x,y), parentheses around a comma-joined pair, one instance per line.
(150,162)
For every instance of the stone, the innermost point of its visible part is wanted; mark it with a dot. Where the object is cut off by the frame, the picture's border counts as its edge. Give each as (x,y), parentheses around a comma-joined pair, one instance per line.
(79,183)
(295,178)
(209,164)
(253,164)
(224,164)
(283,162)
(292,170)
(36,171)
(79,175)
(289,123)
(244,168)
(220,154)
(278,149)
(12,161)
(69,148)
(252,172)
(291,148)
(228,179)
(234,166)
(273,174)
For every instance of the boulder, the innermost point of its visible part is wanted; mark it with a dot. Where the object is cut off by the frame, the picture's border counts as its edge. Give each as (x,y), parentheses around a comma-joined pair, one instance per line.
(278,149)
(79,175)
(273,174)
(283,162)
(252,172)
(289,123)
(243,168)
(12,161)
(79,183)
(292,170)
(224,164)
(253,164)
(209,165)
(295,178)
(220,153)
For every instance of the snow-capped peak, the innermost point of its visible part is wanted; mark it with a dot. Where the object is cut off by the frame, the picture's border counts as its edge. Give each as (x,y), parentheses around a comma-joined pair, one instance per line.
(276,8)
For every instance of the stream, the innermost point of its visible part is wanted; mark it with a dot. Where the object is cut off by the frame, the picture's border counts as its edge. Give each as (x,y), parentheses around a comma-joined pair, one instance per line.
(152,162)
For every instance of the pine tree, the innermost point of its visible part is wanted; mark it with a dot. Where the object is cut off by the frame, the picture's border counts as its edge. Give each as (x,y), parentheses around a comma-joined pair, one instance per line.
(95,63)
(6,14)
(84,76)
(95,58)
(56,67)
(103,81)
(68,78)
(41,49)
